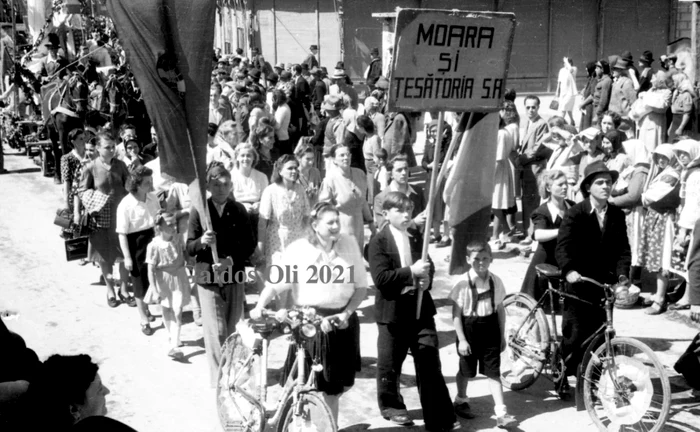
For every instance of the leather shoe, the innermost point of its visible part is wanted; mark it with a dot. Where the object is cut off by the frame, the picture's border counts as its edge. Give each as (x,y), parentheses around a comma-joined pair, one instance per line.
(400,419)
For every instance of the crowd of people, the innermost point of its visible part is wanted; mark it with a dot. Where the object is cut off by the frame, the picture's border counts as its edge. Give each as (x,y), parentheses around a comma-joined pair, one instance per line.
(300,164)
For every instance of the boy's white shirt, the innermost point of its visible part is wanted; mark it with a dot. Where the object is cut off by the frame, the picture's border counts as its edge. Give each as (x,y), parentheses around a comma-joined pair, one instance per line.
(461,293)
(404,247)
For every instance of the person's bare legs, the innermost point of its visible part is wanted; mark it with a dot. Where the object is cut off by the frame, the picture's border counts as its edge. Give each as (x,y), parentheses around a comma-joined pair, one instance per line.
(124,278)
(106,270)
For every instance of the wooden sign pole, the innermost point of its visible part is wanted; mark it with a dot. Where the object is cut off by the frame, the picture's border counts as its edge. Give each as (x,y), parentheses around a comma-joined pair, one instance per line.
(432,197)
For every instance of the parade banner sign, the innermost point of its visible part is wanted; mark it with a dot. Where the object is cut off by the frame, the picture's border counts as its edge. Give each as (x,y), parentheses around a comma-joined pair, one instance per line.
(450,60)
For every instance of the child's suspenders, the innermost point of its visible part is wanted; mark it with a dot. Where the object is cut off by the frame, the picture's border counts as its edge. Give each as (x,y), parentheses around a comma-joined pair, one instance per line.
(476,296)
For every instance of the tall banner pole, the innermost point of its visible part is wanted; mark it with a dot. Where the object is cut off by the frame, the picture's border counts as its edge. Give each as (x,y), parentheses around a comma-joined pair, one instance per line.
(431,202)
(15,92)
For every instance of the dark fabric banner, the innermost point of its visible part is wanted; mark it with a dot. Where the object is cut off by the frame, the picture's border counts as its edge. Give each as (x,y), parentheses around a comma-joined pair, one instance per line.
(168,45)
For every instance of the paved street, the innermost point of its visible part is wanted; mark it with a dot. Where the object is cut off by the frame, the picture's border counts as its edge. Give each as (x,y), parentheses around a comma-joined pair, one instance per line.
(63,310)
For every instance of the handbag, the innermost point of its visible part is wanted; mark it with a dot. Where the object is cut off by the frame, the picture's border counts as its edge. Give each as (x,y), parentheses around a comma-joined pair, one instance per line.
(554,105)
(76,248)
(63,218)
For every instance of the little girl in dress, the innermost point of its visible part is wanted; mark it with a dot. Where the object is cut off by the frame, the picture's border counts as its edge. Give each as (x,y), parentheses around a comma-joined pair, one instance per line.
(165,257)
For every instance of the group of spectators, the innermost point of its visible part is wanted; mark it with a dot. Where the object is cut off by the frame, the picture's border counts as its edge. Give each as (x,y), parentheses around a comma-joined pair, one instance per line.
(640,123)
(298,168)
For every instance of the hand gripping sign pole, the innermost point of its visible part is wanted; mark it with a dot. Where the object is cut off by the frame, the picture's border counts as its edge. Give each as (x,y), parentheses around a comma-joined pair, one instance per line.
(448,60)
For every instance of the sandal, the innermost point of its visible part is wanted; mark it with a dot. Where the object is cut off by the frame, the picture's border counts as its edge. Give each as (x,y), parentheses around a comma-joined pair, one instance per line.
(146,329)
(679,306)
(112,302)
(151,318)
(656,308)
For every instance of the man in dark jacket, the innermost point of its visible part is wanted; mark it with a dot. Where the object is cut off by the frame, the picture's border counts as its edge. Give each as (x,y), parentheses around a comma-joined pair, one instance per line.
(398,272)
(601,94)
(375,68)
(220,286)
(592,242)
(354,139)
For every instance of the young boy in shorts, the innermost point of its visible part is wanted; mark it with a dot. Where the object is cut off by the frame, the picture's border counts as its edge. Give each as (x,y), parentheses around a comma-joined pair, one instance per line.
(479,319)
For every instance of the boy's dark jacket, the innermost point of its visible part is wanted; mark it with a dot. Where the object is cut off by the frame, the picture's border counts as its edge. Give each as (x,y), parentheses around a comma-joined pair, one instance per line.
(390,279)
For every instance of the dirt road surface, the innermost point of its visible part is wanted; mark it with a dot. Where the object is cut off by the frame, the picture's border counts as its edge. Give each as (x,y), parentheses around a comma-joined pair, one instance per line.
(63,310)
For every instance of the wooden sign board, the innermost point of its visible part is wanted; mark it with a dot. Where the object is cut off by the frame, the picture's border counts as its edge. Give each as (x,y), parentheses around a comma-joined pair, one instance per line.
(450,60)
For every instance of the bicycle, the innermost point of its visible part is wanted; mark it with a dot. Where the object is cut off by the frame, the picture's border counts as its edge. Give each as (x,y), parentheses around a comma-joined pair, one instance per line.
(241,390)
(620,381)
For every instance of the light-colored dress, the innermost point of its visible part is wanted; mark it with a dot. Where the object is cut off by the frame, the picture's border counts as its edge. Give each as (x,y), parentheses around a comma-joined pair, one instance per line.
(248,190)
(168,258)
(285,211)
(652,126)
(348,194)
(567,90)
(504,177)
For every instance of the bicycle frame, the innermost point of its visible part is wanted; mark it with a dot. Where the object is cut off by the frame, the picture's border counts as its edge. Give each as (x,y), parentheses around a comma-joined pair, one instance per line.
(292,388)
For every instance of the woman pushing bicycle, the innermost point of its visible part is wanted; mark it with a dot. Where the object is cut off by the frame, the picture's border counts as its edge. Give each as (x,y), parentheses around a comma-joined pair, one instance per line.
(592,242)
(330,277)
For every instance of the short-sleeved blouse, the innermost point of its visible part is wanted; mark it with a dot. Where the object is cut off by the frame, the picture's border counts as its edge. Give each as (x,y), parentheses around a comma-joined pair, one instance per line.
(318,271)
(248,189)
(134,216)
(165,254)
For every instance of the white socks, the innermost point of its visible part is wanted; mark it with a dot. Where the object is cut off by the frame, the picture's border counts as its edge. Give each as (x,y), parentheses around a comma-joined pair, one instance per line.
(500,410)
(459,400)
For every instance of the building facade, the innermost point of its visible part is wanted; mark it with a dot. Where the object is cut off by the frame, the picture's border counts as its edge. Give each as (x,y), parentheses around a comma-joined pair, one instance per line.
(547,31)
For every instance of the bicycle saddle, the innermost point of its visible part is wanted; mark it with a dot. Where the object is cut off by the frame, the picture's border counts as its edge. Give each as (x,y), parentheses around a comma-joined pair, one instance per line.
(548,270)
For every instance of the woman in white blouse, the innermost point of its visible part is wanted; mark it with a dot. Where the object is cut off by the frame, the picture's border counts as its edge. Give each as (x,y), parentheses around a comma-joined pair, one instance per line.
(248,183)
(337,346)
(135,222)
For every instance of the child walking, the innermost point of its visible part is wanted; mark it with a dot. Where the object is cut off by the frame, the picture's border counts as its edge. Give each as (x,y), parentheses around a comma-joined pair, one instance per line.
(399,272)
(479,319)
(165,257)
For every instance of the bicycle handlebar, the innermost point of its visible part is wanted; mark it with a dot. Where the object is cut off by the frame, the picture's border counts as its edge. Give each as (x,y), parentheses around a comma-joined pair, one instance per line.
(595,282)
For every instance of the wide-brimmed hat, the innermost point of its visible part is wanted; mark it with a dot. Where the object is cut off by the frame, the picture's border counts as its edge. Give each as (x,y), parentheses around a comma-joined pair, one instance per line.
(591,133)
(315,71)
(313,47)
(53,41)
(627,55)
(285,75)
(332,103)
(339,74)
(279,66)
(592,170)
(647,57)
(621,63)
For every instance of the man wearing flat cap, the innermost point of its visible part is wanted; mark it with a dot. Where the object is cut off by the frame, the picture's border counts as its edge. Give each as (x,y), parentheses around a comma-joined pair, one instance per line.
(311,61)
(374,71)
(592,242)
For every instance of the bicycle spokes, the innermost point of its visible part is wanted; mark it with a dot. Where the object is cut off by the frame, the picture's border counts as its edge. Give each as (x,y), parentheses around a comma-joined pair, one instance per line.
(625,387)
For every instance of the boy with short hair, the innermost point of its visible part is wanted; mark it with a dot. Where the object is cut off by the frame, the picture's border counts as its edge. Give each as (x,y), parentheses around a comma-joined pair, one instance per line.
(479,320)
(399,273)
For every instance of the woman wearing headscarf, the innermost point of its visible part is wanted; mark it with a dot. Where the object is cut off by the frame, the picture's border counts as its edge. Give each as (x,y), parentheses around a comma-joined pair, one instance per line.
(660,199)
(682,105)
(649,110)
(627,194)
(688,154)
(615,158)
(587,104)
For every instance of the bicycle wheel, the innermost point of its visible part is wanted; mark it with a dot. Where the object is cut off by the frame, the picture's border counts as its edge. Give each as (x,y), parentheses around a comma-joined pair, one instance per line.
(632,395)
(314,415)
(527,339)
(236,389)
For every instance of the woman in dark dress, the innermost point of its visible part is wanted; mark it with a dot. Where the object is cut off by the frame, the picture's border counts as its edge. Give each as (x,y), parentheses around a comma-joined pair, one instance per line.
(546,220)
(587,104)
